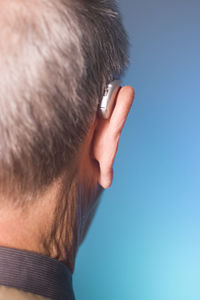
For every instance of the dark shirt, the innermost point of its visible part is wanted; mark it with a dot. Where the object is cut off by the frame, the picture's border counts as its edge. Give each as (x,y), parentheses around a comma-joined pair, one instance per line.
(35,273)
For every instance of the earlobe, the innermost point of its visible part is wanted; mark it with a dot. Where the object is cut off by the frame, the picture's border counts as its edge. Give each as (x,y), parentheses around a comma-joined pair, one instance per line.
(107,135)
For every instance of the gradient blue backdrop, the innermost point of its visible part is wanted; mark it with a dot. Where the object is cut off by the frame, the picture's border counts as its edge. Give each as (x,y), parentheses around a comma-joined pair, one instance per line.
(144,243)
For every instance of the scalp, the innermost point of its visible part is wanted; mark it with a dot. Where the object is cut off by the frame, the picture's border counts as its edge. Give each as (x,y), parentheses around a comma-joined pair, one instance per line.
(15,17)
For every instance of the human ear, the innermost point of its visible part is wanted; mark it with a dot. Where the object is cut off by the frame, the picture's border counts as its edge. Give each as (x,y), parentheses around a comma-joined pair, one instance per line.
(107,135)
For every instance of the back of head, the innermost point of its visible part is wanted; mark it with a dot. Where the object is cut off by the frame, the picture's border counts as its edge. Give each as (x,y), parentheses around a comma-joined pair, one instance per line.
(56,56)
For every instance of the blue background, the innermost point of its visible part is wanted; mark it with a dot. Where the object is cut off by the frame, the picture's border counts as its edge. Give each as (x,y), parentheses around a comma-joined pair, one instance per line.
(144,243)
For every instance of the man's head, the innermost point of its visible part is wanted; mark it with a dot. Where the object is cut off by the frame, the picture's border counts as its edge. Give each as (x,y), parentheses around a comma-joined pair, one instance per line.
(56,58)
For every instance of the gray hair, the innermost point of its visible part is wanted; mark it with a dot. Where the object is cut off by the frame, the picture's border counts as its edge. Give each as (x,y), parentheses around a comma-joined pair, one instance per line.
(56,56)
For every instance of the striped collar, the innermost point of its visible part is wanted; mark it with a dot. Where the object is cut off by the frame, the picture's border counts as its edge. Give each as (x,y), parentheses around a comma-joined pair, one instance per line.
(35,273)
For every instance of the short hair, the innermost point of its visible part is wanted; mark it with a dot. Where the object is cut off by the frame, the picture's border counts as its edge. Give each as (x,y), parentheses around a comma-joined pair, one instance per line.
(56,56)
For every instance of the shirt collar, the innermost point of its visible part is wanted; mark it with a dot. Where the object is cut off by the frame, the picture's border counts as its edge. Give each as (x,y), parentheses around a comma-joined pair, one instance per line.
(35,273)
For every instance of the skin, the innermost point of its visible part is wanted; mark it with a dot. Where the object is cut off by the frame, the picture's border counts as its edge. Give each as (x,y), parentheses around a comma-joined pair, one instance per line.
(24,228)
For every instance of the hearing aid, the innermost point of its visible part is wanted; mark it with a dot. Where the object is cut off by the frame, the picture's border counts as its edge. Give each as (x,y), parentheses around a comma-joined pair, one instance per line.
(107,103)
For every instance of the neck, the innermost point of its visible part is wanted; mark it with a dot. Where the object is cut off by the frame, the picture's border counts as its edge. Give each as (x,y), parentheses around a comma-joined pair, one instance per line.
(55,224)
(29,227)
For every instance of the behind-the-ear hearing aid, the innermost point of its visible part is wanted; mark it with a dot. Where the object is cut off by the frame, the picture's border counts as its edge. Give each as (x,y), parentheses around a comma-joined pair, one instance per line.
(107,103)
